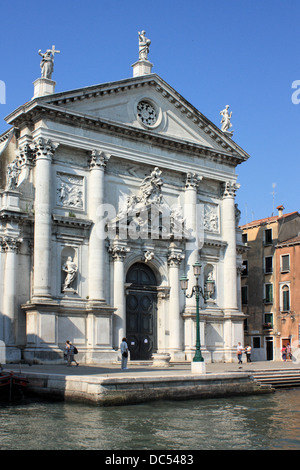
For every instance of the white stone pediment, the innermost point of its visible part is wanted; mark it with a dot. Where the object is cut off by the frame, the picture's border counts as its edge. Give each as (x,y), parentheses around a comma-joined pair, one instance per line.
(146,103)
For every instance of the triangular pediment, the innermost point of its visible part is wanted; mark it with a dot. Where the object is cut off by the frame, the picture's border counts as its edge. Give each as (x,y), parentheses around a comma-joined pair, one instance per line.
(146,103)
(143,108)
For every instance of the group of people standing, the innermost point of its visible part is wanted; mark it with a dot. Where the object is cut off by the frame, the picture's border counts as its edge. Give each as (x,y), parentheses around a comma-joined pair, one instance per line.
(286,352)
(246,350)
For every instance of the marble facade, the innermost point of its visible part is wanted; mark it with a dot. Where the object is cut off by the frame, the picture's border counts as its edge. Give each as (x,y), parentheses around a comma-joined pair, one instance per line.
(109,194)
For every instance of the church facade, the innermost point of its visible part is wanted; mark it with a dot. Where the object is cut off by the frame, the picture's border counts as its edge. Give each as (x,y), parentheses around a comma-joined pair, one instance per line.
(110,193)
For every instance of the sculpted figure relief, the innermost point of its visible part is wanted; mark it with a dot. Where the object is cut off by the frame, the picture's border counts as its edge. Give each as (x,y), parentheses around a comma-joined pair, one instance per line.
(150,189)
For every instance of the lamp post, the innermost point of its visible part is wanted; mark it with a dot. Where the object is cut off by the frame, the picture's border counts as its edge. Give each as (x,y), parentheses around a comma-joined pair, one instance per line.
(198,361)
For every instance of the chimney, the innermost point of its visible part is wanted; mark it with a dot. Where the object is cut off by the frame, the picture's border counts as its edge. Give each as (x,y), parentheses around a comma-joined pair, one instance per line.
(280,210)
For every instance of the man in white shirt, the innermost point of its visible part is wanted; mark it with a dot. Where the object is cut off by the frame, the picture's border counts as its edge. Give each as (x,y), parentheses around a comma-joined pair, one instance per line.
(239,351)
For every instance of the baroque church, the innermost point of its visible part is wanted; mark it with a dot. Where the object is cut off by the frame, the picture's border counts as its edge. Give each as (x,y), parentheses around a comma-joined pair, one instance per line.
(109,195)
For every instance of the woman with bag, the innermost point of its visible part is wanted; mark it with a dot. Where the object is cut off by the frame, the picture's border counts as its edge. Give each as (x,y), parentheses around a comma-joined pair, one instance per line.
(124,353)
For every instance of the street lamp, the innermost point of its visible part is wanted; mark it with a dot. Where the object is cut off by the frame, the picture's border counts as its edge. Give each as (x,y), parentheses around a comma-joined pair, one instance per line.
(198,361)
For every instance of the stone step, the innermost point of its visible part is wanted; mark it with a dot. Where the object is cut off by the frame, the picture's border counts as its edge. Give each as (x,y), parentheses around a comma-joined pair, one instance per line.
(288,378)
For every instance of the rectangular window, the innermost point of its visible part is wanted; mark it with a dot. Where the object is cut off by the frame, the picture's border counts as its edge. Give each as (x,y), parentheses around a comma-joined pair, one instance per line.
(285,263)
(268,236)
(268,293)
(244,237)
(245,268)
(269,319)
(286,299)
(268,264)
(256,342)
(244,295)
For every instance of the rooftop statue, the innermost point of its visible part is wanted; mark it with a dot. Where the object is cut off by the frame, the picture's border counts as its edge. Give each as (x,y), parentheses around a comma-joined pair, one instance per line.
(144,45)
(226,116)
(47,62)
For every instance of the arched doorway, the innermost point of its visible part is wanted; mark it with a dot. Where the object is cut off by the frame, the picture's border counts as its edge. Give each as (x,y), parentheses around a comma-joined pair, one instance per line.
(141,303)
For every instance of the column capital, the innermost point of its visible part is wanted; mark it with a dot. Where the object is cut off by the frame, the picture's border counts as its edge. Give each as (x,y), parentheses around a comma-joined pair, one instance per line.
(118,251)
(192,180)
(175,257)
(25,156)
(97,159)
(10,244)
(230,188)
(44,148)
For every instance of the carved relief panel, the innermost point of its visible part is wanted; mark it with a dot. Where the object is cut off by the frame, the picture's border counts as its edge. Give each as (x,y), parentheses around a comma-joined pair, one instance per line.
(211,218)
(69,190)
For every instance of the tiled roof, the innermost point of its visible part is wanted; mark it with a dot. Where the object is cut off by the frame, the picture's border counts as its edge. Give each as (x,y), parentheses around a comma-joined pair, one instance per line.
(267,220)
(290,241)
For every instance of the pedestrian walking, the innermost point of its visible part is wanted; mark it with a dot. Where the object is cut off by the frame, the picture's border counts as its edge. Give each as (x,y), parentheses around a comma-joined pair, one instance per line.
(288,352)
(283,353)
(248,353)
(124,353)
(70,351)
(239,352)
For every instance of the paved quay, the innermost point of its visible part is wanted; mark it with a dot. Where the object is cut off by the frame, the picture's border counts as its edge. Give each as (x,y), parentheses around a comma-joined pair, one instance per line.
(144,370)
(108,385)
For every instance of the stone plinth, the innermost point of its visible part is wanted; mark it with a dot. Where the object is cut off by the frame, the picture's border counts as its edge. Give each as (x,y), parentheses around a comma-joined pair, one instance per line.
(198,367)
(161,360)
(142,67)
(43,87)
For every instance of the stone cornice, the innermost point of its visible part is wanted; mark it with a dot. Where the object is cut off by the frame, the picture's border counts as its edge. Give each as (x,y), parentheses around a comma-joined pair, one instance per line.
(71,221)
(76,119)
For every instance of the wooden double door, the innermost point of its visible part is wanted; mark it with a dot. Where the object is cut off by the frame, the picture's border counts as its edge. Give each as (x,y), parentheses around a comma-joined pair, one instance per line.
(141,307)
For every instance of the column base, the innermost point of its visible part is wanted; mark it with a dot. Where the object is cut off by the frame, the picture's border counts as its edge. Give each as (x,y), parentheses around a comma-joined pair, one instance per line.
(161,359)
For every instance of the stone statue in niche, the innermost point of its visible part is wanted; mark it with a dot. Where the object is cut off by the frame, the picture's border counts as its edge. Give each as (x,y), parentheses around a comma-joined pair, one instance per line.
(209,286)
(13,172)
(237,215)
(144,45)
(70,268)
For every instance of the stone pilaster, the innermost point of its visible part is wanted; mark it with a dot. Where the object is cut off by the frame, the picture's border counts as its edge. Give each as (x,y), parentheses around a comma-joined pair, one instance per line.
(97,164)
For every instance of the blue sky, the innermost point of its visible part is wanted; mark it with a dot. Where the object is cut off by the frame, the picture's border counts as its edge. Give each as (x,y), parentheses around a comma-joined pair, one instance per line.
(245,53)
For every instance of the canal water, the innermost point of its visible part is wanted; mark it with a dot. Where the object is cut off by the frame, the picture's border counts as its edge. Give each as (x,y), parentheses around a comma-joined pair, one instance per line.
(261,422)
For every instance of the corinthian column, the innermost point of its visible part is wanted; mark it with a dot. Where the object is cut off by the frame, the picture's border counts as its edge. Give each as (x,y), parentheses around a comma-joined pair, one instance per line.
(190,214)
(97,163)
(118,253)
(44,150)
(229,235)
(174,259)
(10,246)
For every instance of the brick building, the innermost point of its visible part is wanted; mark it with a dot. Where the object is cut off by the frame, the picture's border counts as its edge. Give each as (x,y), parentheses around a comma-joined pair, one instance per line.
(269,284)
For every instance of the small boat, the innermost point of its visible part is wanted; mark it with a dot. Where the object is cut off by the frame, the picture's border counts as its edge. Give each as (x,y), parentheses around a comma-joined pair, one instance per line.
(12,384)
